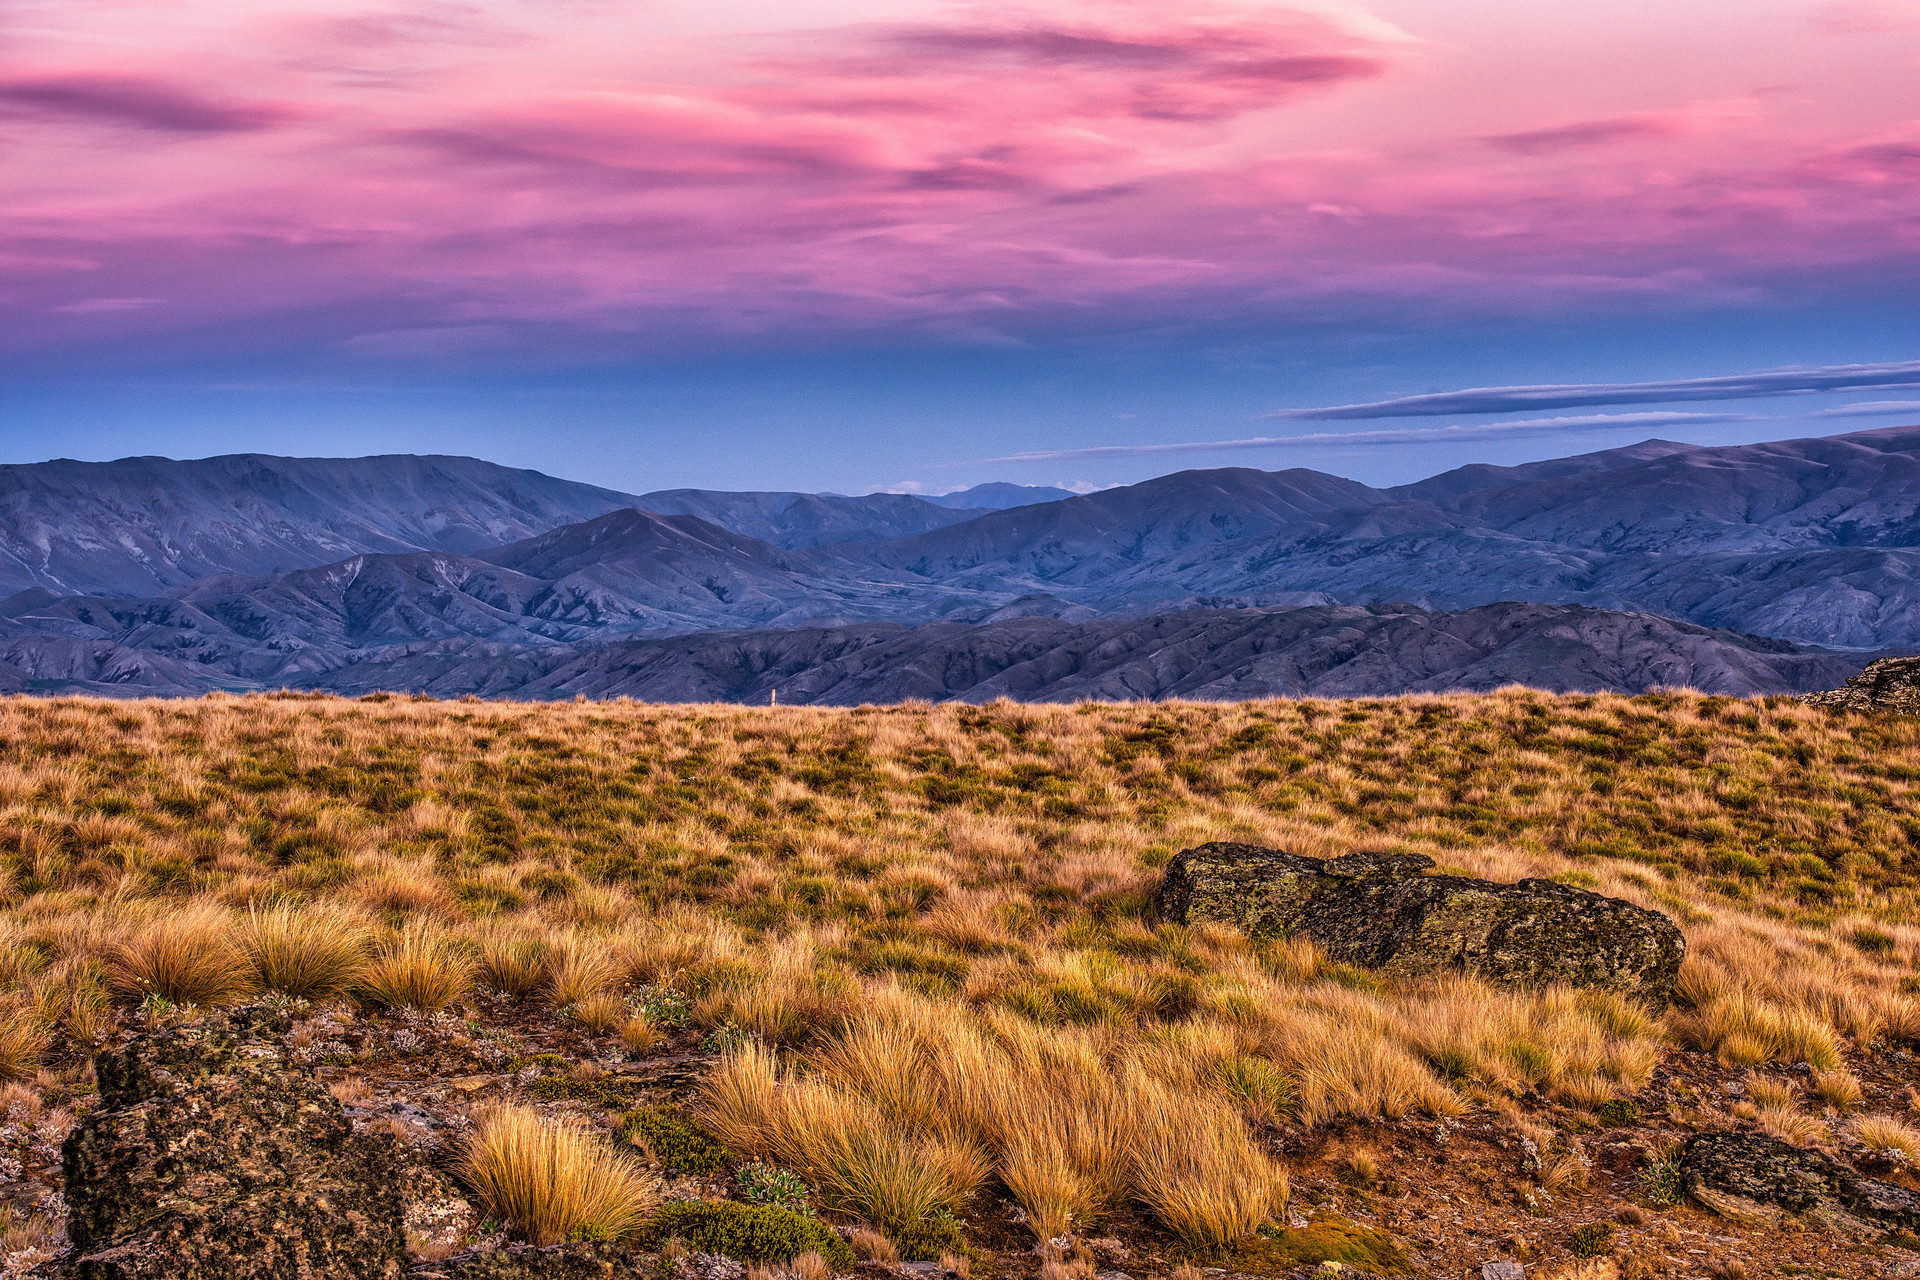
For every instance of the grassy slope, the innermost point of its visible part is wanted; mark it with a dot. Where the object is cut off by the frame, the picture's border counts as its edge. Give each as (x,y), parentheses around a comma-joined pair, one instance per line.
(891,892)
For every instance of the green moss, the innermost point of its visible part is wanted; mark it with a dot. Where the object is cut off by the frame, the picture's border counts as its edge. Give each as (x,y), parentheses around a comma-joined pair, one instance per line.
(748,1232)
(1618,1112)
(1278,1250)
(606,1096)
(927,1239)
(676,1141)
(544,1061)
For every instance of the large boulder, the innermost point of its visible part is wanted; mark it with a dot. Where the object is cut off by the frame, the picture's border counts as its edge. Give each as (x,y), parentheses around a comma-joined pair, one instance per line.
(209,1155)
(1740,1175)
(1384,912)
(1887,685)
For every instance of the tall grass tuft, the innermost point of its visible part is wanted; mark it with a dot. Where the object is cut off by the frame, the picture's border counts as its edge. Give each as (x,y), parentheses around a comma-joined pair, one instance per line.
(552,1181)
(418,967)
(187,956)
(306,952)
(1195,1167)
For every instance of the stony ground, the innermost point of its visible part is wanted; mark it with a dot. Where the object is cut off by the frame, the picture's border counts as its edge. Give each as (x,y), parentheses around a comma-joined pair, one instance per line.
(1423,1197)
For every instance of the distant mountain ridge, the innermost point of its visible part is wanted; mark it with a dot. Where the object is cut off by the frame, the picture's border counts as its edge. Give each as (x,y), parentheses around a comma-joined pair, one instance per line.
(451,561)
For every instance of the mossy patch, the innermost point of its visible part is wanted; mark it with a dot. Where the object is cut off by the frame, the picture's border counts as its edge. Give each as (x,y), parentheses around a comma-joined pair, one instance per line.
(608,1095)
(748,1232)
(676,1141)
(1279,1250)
(927,1239)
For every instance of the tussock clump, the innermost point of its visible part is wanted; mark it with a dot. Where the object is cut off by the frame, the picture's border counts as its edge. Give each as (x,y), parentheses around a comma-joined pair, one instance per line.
(553,1182)
(304,951)
(418,967)
(184,957)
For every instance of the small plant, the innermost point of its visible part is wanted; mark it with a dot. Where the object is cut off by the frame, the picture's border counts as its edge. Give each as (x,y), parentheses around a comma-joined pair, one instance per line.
(663,1007)
(1661,1179)
(726,1038)
(770,1184)
(677,1142)
(749,1232)
(553,1180)
(1592,1240)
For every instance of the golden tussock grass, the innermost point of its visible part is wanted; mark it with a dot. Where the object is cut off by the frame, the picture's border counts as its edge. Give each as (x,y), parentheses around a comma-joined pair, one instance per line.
(936,920)
(554,1182)
(417,967)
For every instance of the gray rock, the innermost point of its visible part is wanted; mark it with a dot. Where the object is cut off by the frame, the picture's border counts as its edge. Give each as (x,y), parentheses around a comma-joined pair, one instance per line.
(1759,1169)
(210,1158)
(1377,911)
(1502,1269)
(1888,686)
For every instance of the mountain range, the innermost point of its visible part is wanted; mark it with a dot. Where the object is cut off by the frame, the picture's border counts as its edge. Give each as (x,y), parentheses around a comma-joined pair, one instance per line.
(1735,568)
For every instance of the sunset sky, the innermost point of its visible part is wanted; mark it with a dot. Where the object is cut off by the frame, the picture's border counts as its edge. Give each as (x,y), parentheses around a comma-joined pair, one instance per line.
(886,243)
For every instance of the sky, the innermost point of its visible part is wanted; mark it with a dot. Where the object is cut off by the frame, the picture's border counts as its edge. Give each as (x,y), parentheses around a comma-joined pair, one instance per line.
(915,245)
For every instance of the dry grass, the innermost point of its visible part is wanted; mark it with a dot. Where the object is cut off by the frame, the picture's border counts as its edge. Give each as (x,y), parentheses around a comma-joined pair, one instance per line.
(1892,1138)
(936,922)
(553,1182)
(418,967)
(183,957)
(305,951)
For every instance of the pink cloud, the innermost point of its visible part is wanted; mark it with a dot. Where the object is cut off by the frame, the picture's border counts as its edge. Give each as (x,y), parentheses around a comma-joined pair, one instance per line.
(459,182)
(139,102)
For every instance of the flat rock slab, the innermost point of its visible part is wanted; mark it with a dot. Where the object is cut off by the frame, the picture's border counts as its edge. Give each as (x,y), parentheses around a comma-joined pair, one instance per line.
(1759,1169)
(1383,912)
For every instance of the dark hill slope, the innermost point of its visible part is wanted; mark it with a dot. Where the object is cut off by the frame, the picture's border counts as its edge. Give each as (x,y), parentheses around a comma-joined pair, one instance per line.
(1205,654)
(140,526)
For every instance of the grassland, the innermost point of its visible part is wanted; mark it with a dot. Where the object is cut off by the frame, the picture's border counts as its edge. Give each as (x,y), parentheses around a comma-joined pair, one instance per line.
(925,933)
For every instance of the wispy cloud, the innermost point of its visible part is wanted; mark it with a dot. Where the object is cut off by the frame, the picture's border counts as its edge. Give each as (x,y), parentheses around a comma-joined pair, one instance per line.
(1871,409)
(1778,382)
(1402,435)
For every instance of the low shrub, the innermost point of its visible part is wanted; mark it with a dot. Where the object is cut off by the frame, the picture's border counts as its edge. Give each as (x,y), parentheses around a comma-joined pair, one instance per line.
(1330,1239)
(677,1142)
(1618,1112)
(749,1232)
(599,1092)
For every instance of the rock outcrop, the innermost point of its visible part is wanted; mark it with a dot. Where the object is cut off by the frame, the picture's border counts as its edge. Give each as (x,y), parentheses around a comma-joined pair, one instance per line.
(1744,1176)
(210,1156)
(1888,686)
(1383,912)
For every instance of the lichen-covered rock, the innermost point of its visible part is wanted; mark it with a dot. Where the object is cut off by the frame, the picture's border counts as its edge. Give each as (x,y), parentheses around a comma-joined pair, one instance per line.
(526,1262)
(209,1156)
(1888,685)
(1381,911)
(1741,1169)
